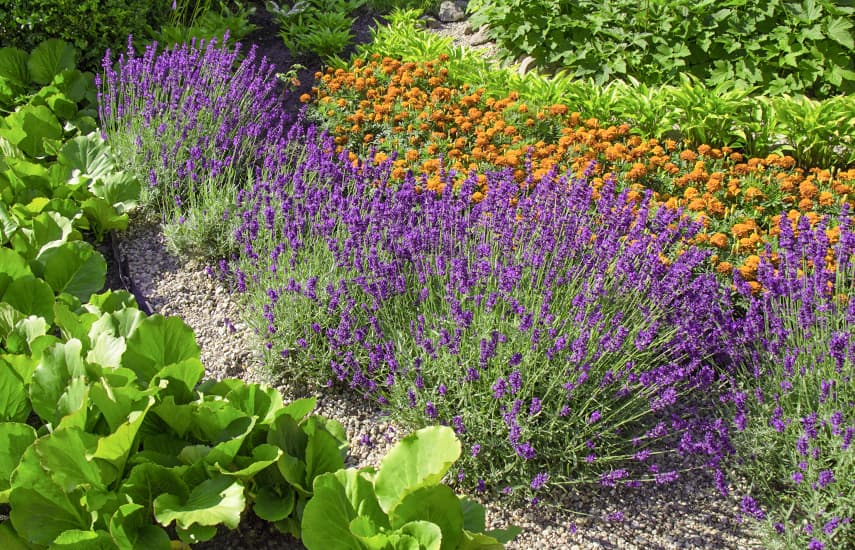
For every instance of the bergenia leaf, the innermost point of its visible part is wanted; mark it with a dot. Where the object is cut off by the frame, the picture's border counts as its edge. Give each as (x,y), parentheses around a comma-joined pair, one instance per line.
(419,460)
(215,501)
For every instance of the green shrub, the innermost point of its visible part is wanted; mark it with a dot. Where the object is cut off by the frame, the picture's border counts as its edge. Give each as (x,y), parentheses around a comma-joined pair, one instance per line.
(780,45)
(91,25)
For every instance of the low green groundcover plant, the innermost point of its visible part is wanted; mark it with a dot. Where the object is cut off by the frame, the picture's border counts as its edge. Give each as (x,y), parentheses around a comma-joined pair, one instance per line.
(782,46)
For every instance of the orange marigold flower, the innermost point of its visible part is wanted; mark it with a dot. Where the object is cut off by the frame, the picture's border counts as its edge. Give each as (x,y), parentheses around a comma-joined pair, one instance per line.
(719,240)
(305,98)
(724,268)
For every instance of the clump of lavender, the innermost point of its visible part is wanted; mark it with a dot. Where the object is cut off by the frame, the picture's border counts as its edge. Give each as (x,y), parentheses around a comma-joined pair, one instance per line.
(188,122)
(566,338)
(794,398)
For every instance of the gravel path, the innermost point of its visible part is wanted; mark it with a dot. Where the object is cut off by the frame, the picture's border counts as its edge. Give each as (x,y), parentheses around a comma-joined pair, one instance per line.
(685,515)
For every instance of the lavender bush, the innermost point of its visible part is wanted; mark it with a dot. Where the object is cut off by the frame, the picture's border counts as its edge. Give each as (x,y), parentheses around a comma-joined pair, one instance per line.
(564,337)
(189,121)
(795,398)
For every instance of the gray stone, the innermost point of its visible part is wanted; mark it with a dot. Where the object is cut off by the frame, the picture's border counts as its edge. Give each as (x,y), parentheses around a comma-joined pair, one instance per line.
(450,12)
(526,65)
(430,22)
(480,37)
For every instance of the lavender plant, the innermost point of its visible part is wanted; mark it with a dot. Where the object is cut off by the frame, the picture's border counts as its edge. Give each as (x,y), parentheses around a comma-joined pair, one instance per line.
(565,338)
(189,122)
(795,398)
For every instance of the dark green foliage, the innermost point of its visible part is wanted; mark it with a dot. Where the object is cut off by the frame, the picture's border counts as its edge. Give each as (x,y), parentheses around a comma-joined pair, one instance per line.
(91,25)
(781,46)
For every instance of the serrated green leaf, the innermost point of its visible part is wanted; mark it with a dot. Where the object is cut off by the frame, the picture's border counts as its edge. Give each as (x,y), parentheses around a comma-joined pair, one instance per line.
(840,30)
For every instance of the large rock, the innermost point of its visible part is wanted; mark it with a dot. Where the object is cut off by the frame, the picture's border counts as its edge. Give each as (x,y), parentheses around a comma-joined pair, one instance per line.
(450,12)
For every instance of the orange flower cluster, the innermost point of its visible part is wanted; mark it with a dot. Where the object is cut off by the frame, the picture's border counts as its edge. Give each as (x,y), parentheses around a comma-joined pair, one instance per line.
(432,125)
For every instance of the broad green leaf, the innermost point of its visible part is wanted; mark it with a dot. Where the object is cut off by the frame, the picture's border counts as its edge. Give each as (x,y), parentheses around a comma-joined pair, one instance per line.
(130,527)
(88,154)
(840,30)
(40,508)
(15,438)
(73,325)
(300,408)
(116,401)
(9,539)
(437,504)
(103,216)
(29,127)
(62,454)
(58,365)
(178,417)
(14,405)
(196,533)
(428,535)
(262,456)
(30,296)
(78,538)
(24,365)
(322,455)
(419,460)
(269,505)
(327,517)
(13,67)
(119,189)
(111,301)
(212,419)
(115,448)
(13,264)
(74,84)
(181,378)
(157,342)
(256,400)
(504,535)
(62,107)
(50,58)
(147,481)
(479,541)
(107,350)
(474,516)
(74,267)
(215,501)
(71,409)
(230,441)
(359,488)
(9,318)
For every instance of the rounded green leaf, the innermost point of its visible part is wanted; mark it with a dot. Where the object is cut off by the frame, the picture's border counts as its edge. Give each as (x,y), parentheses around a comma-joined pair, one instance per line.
(89,154)
(419,460)
(59,363)
(436,504)
(13,67)
(29,127)
(74,267)
(214,501)
(14,405)
(13,264)
(31,296)
(15,438)
(50,58)
(271,506)
(327,517)
(157,342)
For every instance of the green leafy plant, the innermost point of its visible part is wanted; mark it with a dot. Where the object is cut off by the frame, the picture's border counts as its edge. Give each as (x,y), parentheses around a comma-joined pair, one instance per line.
(780,46)
(211,23)
(90,25)
(321,27)
(400,505)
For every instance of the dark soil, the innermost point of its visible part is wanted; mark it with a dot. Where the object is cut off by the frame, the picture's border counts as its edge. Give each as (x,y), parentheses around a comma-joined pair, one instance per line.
(270,45)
